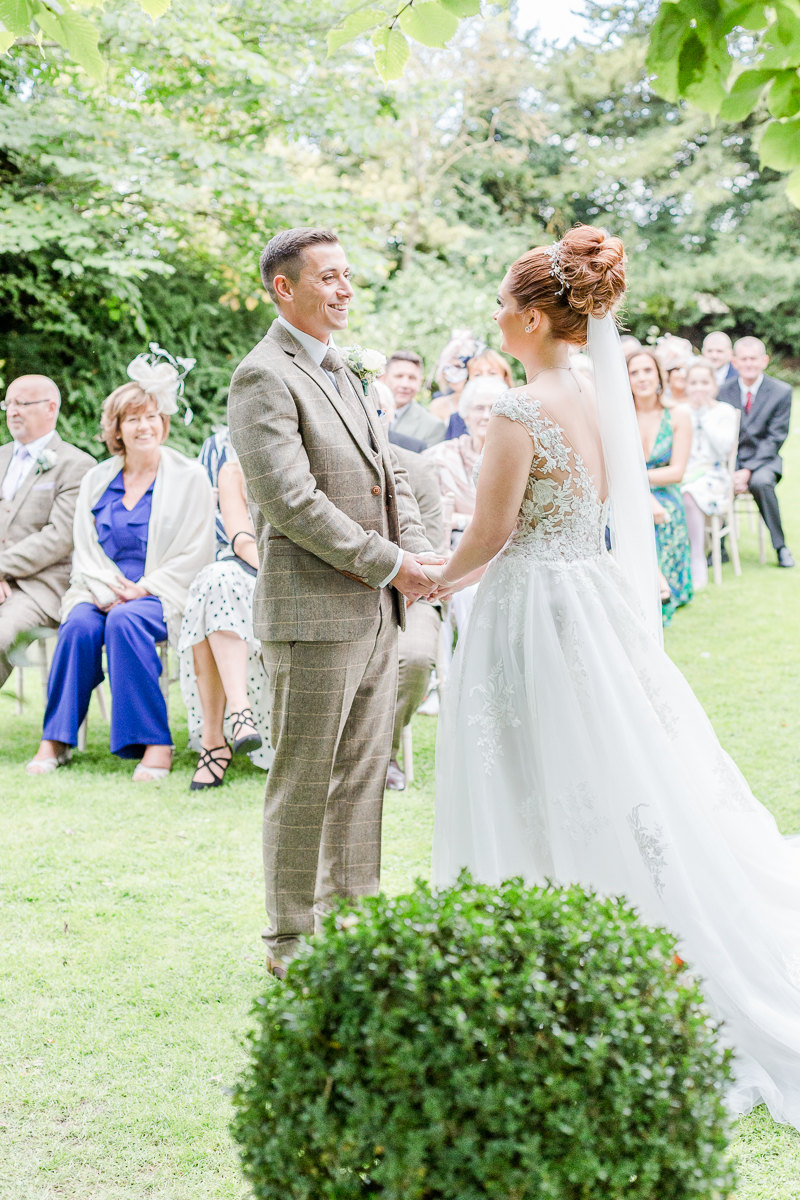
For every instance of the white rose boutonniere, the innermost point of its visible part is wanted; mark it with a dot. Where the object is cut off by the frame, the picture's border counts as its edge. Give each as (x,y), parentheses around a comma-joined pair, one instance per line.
(366,364)
(46,460)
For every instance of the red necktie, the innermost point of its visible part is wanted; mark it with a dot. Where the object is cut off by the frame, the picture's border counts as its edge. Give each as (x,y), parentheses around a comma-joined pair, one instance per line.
(749,403)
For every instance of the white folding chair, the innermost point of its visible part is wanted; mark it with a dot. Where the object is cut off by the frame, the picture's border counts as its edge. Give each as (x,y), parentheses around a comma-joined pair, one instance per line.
(720,525)
(746,506)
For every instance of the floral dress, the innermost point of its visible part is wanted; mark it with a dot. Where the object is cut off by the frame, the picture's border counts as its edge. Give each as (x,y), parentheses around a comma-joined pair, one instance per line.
(672,538)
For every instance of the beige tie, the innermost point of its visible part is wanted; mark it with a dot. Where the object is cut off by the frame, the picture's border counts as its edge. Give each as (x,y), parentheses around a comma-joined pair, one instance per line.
(333,363)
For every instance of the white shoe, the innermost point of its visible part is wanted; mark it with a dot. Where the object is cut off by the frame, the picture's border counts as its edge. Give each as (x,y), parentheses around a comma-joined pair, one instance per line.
(143,774)
(44,766)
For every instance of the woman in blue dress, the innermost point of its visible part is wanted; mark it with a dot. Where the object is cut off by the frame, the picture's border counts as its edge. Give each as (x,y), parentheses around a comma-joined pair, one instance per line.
(144,527)
(666,435)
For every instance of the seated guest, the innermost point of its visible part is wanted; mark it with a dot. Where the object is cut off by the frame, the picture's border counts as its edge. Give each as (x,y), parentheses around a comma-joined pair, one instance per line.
(220,657)
(404,377)
(144,527)
(666,440)
(676,372)
(485,362)
(718,350)
(455,459)
(451,373)
(454,462)
(388,410)
(706,481)
(418,643)
(40,478)
(766,405)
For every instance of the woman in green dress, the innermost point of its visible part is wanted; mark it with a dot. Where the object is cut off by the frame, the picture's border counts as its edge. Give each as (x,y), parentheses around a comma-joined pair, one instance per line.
(666,435)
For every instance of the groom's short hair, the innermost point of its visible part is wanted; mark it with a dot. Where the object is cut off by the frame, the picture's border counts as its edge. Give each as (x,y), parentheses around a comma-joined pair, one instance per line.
(283,254)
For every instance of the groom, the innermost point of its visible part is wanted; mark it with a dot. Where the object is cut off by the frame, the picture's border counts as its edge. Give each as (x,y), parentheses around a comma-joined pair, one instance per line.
(340,540)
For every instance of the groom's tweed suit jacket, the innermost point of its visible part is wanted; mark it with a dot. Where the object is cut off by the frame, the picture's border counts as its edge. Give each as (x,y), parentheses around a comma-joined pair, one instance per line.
(332,503)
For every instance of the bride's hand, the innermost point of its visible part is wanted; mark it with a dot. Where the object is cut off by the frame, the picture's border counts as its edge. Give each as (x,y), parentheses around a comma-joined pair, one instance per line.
(433,572)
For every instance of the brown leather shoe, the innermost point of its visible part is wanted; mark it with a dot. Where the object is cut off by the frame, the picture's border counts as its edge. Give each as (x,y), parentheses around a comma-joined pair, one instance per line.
(395,779)
(276,967)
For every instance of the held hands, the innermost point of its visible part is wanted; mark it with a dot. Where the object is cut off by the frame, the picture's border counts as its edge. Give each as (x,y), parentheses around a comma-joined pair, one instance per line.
(411,580)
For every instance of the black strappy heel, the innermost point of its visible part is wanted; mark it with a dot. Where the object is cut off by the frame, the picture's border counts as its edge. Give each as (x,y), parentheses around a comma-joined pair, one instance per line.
(250,741)
(208,759)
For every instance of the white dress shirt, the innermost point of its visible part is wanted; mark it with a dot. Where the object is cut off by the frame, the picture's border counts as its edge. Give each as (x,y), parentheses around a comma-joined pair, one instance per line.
(316,350)
(22,463)
(752,389)
(721,374)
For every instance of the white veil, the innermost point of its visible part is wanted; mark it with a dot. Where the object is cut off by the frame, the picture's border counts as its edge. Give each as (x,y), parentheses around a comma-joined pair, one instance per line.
(633,542)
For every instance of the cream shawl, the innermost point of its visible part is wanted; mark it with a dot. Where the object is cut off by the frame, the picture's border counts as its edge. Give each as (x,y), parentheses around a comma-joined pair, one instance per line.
(180,537)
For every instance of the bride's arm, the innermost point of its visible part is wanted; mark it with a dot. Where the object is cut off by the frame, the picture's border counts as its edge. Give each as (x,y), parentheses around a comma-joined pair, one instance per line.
(507,458)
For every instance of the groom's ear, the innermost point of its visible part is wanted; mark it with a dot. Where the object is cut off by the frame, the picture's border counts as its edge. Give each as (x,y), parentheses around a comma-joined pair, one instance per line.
(282,286)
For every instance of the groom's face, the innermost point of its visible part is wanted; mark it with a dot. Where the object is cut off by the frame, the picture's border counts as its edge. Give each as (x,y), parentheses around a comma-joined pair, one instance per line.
(319,300)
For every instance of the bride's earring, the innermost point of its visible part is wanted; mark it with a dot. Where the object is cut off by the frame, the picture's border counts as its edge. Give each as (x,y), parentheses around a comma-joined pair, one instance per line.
(527,328)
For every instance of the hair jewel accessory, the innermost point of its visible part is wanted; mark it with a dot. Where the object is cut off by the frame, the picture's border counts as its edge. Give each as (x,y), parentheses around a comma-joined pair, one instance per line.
(554,254)
(161,376)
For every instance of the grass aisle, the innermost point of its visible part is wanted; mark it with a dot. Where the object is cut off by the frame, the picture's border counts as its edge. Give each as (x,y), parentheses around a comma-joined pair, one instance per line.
(130,920)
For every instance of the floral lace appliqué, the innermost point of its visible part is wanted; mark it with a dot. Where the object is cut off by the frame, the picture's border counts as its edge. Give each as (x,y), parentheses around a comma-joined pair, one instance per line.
(652,845)
(579,818)
(498,714)
(561,517)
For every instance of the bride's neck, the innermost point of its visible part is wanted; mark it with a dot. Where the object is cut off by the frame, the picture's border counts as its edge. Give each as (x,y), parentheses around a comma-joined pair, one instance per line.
(543,356)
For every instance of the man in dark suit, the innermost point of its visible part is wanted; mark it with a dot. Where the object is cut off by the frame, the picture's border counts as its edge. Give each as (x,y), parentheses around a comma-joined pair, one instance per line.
(765,404)
(718,349)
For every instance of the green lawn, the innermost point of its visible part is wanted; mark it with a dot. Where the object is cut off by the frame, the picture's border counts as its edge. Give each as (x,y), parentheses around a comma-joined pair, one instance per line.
(131,916)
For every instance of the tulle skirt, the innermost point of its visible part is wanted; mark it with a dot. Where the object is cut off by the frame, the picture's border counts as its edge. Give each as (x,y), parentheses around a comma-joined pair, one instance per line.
(571,748)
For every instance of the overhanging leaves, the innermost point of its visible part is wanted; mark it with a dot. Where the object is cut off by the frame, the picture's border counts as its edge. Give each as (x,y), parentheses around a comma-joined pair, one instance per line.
(780,145)
(353,25)
(392,57)
(429,23)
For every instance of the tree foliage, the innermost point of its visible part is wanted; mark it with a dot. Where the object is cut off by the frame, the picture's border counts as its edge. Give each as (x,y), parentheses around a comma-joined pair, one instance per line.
(135,210)
(729,58)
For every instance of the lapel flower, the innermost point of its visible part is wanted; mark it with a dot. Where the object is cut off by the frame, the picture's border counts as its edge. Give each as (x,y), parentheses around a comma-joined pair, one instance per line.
(366,364)
(46,459)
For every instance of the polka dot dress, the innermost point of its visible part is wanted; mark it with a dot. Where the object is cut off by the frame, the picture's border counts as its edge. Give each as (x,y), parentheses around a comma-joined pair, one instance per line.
(221,598)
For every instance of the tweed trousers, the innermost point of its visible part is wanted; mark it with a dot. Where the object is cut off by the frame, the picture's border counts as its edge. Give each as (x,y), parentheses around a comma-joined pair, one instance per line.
(332,714)
(418,647)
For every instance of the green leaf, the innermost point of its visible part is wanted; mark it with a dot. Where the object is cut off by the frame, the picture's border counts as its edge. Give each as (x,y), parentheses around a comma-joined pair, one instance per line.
(784,95)
(746,16)
(780,145)
(692,62)
(462,8)
(6,40)
(155,8)
(669,31)
(707,95)
(352,26)
(76,35)
(793,187)
(391,60)
(429,23)
(745,94)
(17,15)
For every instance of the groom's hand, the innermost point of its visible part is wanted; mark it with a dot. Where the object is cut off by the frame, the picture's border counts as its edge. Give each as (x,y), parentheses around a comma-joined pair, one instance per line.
(411,580)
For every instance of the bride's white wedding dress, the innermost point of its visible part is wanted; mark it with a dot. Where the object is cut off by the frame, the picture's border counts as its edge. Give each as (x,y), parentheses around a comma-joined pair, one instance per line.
(571,748)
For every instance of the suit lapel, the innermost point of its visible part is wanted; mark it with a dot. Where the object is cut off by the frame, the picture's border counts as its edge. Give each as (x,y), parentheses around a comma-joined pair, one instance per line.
(6,454)
(29,480)
(344,409)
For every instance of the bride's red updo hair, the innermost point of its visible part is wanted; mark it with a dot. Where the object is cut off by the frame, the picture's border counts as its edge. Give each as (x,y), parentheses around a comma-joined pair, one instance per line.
(592,264)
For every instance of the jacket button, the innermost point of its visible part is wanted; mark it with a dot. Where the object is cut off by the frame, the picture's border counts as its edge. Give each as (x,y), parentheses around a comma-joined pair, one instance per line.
(376,491)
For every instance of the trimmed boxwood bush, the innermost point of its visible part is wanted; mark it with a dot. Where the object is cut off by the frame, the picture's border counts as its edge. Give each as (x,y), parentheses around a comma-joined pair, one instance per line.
(505,1042)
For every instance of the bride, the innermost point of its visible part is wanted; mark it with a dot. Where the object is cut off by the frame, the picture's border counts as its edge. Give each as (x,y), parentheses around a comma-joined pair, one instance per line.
(571,748)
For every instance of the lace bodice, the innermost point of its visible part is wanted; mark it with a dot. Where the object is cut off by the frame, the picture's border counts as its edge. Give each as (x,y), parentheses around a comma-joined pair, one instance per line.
(561,517)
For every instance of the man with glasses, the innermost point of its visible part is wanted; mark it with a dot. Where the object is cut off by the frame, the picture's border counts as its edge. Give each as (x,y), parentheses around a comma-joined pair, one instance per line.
(39,480)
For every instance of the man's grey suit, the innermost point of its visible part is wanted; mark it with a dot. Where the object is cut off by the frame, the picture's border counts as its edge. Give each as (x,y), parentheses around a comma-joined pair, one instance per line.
(762,434)
(36,542)
(332,507)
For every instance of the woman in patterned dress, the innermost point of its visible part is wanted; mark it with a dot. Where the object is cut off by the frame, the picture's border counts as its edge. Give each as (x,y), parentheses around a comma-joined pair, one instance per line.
(666,439)
(223,681)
